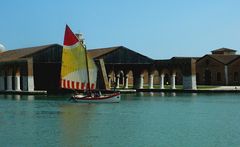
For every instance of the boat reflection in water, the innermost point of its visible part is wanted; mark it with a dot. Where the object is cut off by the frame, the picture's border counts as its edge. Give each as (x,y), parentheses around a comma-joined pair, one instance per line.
(76,121)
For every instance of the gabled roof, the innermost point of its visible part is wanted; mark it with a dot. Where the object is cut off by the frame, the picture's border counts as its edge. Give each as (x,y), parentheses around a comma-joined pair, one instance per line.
(224,59)
(101,51)
(16,54)
(22,53)
(223,50)
(119,55)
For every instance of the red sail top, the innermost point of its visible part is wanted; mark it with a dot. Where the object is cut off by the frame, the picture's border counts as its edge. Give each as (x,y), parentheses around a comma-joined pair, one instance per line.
(69,37)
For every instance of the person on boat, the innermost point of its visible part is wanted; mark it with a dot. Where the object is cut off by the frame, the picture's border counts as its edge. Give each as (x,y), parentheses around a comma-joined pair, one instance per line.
(97,93)
(89,93)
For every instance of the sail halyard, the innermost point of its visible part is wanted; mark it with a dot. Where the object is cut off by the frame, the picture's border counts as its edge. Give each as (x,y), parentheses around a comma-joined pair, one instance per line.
(88,77)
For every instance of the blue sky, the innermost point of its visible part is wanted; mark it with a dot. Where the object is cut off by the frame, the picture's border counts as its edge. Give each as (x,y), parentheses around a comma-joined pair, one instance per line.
(159,29)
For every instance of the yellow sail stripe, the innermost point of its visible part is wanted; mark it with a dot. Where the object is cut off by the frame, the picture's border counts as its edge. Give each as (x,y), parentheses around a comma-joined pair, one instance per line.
(73,59)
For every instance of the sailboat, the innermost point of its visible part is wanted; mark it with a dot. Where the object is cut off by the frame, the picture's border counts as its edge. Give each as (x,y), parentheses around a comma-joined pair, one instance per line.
(79,72)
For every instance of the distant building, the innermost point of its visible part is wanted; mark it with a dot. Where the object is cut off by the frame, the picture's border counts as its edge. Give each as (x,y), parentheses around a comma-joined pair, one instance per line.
(126,68)
(38,68)
(29,69)
(224,51)
(219,68)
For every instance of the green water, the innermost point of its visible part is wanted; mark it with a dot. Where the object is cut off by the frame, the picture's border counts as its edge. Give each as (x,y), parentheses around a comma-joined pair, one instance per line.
(143,119)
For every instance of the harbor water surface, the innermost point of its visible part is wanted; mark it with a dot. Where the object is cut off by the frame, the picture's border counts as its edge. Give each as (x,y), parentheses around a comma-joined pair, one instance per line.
(141,119)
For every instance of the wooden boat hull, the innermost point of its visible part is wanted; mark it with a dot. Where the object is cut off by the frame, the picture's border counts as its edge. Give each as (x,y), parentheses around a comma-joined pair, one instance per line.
(109,98)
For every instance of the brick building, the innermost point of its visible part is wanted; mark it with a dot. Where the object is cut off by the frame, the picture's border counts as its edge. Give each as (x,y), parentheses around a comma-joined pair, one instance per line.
(219,68)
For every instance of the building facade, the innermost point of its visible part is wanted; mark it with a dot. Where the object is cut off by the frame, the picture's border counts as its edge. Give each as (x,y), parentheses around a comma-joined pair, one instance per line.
(38,68)
(128,69)
(219,68)
(30,69)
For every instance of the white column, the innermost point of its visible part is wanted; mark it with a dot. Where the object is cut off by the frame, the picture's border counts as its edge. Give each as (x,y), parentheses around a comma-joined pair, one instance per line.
(173,86)
(109,81)
(126,82)
(162,81)
(17,83)
(2,87)
(17,80)
(117,81)
(150,81)
(28,83)
(9,79)
(141,81)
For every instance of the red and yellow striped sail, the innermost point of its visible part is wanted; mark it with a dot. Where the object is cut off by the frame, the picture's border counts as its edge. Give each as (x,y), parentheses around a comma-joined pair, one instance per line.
(74,66)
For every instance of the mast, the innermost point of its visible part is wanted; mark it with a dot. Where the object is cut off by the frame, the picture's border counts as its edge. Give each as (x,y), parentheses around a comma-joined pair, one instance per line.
(81,39)
(88,77)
